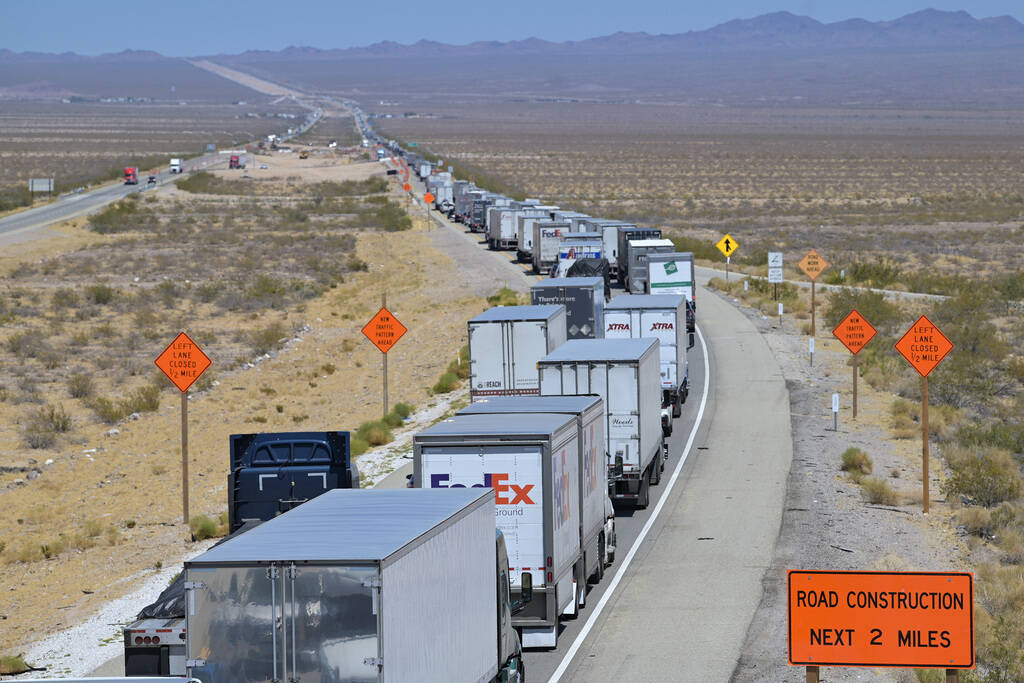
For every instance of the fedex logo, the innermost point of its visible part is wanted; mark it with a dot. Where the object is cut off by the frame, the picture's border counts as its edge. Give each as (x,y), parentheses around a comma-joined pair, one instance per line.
(662,326)
(495,480)
(618,326)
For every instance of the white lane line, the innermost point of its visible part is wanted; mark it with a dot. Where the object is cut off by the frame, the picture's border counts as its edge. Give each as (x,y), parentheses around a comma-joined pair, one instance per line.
(576,644)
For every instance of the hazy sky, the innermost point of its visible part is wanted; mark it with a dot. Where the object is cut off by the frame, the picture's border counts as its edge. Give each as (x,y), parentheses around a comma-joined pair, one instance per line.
(196,27)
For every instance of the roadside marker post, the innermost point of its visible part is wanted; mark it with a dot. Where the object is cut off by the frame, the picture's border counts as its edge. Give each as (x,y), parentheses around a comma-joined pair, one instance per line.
(727,245)
(835,412)
(812,264)
(183,362)
(780,314)
(384,330)
(810,348)
(924,347)
(854,332)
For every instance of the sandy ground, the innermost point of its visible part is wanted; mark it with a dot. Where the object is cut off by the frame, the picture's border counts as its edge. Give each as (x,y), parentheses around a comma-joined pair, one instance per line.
(133,474)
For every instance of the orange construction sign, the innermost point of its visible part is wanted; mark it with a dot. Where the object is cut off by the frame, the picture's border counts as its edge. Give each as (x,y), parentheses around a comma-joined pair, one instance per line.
(407,187)
(428,198)
(183,362)
(899,619)
(854,332)
(812,264)
(384,330)
(924,346)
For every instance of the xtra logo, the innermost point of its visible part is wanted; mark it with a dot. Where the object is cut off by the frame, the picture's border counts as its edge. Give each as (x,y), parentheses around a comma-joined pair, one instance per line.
(618,326)
(495,480)
(662,326)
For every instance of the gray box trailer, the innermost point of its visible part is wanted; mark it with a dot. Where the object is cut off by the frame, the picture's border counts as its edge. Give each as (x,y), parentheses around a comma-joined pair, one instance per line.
(547,236)
(597,517)
(583,298)
(532,463)
(609,230)
(622,256)
(505,344)
(356,585)
(575,246)
(673,273)
(637,253)
(524,230)
(625,373)
(662,317)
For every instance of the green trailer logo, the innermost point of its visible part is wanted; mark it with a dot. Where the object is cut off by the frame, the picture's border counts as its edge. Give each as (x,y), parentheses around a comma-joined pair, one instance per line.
(670,268)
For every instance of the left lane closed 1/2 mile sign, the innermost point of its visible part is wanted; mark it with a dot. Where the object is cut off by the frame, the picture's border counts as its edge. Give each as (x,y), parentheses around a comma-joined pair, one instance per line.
(892,619)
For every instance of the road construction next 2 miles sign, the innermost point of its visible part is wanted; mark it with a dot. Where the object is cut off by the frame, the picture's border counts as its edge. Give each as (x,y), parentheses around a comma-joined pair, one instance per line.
(812,264)
(899,619)
(384,330)
(924,346)
(183,362)
(727,245)
(854,332)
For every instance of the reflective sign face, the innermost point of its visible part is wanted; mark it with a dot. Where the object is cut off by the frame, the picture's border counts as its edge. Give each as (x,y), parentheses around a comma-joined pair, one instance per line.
(727,245)
(812,264)
(924,346)
(428,198)
(854,332)
(183,362)
(384,330)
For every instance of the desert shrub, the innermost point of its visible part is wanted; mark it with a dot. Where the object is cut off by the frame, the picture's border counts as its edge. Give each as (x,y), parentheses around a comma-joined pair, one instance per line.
(100,294)
(80,385)
(975,520)
(358,446)
(403,410)
(202,528)
(877,491)
(64,297)
(985,478)
(504,297)
(268,338)
(856,462)
(142,400)
(392,420)
(13,664)
(92,528)
(448,382)
(1006,435)
(44,424)
(882,314)
(107,410)
(375,433)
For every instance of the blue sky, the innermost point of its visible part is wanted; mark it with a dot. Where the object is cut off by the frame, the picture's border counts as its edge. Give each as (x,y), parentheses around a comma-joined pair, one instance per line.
(191,27)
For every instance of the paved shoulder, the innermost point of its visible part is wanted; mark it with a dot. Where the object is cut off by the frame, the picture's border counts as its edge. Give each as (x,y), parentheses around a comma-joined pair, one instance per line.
(682,612)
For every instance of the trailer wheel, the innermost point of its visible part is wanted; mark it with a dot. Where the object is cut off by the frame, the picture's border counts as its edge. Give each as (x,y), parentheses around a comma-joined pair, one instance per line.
(599,574)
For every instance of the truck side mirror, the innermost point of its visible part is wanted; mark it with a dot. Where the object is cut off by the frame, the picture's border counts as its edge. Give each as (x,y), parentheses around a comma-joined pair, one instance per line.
(692,343)
(526,588)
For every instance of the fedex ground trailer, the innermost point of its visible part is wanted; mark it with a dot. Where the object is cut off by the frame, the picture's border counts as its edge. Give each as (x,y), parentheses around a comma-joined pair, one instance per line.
(673,274)
(505,344)
(547,236)
(532,463)
(625,373)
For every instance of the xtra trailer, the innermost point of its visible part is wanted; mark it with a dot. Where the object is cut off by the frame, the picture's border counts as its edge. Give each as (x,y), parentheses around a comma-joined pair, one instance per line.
(532,463)
(625,374)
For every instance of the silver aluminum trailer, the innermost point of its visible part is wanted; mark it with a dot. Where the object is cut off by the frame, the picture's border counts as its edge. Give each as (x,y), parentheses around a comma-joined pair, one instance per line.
(622,257)
(674,274)
(524,230)
(574,218)
(662,317)
(609,230)
(532,463)
(356,585)
(597,518)
(547,236)
(502,224)
(638,250)
(583,298)
(505,344)
(625,373)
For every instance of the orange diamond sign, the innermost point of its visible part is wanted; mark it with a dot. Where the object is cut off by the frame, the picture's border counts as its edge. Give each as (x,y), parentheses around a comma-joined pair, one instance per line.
(854,332)
(812,264)
(924,346)
(428,198)
(384,330)
(183,362)
(407,187)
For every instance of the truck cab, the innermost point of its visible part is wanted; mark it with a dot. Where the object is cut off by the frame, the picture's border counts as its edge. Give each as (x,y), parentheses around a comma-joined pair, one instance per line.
(131,175)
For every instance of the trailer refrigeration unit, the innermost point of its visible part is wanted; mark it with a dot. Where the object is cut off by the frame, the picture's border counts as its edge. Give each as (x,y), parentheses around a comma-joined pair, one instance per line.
(662,317)
(547,236)
(505,344)
(532,463)
(625,373)
(673,274)
(638,251)
(381,585)
(583,298)
(597,517)
(622,257)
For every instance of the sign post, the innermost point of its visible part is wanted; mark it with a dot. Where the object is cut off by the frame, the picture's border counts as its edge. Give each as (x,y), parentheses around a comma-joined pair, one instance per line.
(812,264)
(727,245)
(183,362)
(384,331)
(924,346)
(775,272)
(881,619)
(428,199)
(854,332)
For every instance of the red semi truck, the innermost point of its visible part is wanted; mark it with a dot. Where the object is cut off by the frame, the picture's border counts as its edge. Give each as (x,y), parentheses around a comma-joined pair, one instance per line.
(131,175)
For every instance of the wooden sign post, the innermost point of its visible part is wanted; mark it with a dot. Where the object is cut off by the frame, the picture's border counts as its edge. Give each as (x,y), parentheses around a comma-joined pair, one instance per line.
(812,264)
(854,332)
(924,346)
(183,362)
(384,331)
(727,245)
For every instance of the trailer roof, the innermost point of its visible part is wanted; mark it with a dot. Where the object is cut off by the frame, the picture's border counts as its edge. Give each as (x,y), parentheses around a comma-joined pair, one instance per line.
(517,426)
(538,312)
(645,301)
(531,404)
(568,282)
(670,256)
(651,243)
(601,350)
(344,525)
(587,235)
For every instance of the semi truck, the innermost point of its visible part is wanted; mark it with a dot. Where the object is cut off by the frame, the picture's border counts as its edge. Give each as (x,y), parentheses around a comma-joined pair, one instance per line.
(609,230)
(583,298)
(662,317)
(597,516)
(524,230)
(505,344)
(532,464)
(175,165)
(577,245)
(625,374)
(547,236)
(673,273)
(637,252)
(373,585)
(622,256)
(131,175)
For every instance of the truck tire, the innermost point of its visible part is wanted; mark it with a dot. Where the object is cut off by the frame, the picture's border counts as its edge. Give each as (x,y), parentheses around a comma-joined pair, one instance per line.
(656,467)
(599,573)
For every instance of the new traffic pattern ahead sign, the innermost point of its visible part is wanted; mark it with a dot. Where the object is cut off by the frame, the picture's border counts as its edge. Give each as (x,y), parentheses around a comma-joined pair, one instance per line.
(904,619)
(428,198)
(924,346)
(812,264)
(854,332)
(384,330)
(727,245)
(183,362)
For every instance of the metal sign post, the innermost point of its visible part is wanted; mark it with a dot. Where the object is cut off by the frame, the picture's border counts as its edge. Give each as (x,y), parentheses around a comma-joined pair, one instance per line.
(812,264)
(854,332)
(727,245)
(384,330)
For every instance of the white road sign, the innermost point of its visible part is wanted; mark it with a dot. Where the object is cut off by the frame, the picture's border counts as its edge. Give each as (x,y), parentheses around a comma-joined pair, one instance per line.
(774,275)
(774,259)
